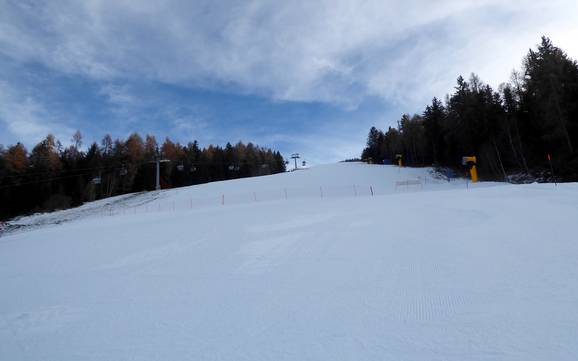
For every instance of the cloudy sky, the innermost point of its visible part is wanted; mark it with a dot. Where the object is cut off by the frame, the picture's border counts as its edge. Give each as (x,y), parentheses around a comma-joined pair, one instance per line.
(299,76)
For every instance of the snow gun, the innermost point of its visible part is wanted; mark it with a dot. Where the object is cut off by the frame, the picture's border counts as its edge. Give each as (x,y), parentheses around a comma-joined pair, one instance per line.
(399,159)
(470,163)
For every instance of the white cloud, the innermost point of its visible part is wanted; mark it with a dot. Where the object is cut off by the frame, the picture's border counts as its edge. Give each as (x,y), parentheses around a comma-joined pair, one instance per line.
(337,51)
(27,120)
(188,124)
(119,95)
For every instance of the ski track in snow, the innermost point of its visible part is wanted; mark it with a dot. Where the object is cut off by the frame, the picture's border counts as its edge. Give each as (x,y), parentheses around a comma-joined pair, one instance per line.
(439,273)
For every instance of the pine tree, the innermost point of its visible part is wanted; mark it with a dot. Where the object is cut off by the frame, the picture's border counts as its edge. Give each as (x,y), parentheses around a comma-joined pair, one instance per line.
(433,118)
(550,93)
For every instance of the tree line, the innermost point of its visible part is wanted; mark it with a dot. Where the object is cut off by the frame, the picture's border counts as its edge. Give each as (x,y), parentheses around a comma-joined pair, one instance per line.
(513,130)
(55,177)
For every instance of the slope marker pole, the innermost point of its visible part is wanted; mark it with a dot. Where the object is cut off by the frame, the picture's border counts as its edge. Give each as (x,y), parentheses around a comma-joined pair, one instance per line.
(552,170)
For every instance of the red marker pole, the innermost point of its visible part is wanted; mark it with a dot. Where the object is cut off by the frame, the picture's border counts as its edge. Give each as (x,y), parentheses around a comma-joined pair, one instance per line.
(552,169)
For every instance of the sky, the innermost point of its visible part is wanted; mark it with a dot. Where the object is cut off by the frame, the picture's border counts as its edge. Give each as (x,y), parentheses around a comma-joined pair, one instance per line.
(297,76)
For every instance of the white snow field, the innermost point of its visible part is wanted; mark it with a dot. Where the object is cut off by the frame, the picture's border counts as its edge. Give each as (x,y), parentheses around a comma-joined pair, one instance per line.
(430,272)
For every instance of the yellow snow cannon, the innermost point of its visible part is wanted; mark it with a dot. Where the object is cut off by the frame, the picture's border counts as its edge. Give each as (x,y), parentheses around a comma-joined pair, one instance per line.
(470,162)
(399,159)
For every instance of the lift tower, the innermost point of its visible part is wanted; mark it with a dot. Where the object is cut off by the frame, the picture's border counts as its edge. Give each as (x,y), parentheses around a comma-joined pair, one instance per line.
(295,156)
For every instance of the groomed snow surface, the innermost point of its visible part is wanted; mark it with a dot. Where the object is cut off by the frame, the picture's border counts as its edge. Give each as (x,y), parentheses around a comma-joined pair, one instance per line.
(299,266)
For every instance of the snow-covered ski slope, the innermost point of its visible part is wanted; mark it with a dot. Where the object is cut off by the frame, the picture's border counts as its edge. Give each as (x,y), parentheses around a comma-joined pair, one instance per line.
(439,272)
(328,181)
